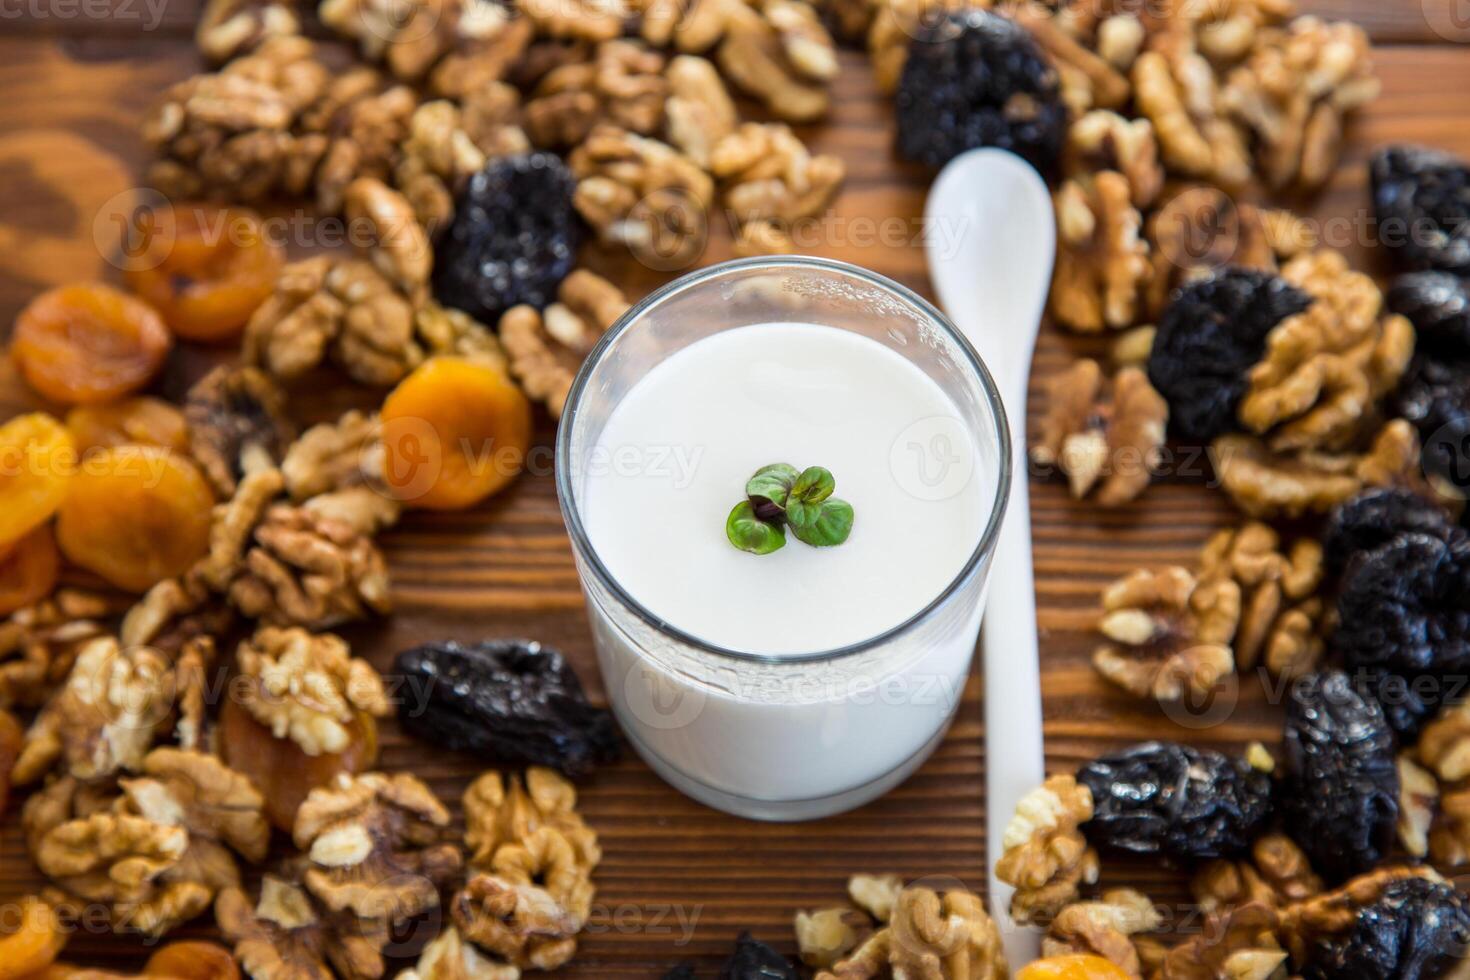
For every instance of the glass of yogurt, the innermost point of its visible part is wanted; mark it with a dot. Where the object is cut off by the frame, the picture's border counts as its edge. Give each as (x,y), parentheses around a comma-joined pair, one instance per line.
(807,681)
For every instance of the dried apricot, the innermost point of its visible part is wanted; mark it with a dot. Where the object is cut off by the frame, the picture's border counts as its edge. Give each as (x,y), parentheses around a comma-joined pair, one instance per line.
(1075,966)
(192,960)
(135,515)
(88,343)
(206,269)
(454,432)
(140,421)
(11,737)
(279,768)
(37,460)
(36,944)
(28,570)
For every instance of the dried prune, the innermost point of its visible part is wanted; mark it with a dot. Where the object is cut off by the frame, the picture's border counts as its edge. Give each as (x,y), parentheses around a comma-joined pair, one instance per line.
(1438,306)
(1404,624)
(973,79)
(1210,334)
(1174,800)
(1434,396)
(511,702)
(754,960)
(1422,201)
(1339,796)
(513,238)
(1417,929)
(1372,519)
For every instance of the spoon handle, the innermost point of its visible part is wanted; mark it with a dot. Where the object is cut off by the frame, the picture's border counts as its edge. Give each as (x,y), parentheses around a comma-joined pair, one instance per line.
(1014,757)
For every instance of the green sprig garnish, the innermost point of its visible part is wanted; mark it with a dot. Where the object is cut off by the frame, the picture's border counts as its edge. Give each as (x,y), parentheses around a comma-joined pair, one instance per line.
(778,496)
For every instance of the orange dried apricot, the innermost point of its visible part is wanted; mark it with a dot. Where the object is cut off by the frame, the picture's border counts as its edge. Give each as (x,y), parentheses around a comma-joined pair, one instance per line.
(1075,966)
(279,768)
(192,960)
(140,421)
(455,431)
(135,515)
(12,734)
(206,269)
(88,343)
(28,570)
(36,944)
(37,460)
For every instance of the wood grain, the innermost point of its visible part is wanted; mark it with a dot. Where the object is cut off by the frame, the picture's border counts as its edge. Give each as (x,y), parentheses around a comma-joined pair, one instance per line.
(679,881)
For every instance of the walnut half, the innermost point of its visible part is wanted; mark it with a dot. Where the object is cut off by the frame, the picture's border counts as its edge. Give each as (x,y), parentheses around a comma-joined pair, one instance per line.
(1108,441)
(1046,857)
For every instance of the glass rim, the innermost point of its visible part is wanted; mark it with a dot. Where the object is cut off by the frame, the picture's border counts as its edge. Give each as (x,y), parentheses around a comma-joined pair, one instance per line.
(571,514)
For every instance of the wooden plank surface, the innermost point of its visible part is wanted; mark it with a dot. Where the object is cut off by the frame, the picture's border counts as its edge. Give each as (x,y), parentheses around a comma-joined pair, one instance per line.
(679,881)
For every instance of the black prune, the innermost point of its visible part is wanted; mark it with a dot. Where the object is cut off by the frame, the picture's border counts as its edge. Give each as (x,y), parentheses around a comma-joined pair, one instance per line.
(513,238)
(1434,396)
(1339,796)
(1210,334)
(1372,519)
(754,960)
(1403,616)
(1438,306)
(975,78)
(512,702)
(1417,930)
(1422,201)
(1176,801)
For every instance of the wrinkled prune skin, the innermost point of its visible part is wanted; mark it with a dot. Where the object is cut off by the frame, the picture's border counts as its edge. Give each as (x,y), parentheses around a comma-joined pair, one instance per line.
(1210,334)
(1417,930)
(1422,201)
(511,702)
(1438,306)
(1403,616)
(754,960)
(512,240)
(1339,793)
(1434,396)
(1374,518)
(974,79)
(1176,801)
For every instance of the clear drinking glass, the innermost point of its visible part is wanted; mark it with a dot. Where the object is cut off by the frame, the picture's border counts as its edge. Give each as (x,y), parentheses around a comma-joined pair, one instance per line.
(785,737)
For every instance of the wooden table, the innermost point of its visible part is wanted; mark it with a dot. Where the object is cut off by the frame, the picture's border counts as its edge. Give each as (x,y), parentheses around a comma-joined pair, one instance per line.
(680,881)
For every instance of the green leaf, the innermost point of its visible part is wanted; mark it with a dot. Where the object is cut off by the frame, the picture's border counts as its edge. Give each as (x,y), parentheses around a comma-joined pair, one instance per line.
(830,526)
(814,485)
(771,484)
(749,533)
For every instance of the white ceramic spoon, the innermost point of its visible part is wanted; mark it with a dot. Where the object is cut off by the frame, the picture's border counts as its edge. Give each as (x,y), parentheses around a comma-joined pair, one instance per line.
(991,240)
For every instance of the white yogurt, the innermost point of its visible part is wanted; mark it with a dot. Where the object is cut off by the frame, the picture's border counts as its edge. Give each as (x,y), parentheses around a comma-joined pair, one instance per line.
(672,460)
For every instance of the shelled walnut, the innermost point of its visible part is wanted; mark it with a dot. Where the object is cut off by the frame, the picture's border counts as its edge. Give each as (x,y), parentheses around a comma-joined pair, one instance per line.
(581,20)
(105,718)
(451,957)
(1325,369)
(1174,87)
(699,112)
(1280,614)
(375,846)
(286,935)
(1276,873)
(457,45)
(1045,856)
(1088,79)
(930,935)
(1418,804)
(622,85)
(39,644)
(1104,927)
(237,420)
(1294,93)
(639,192)
(1102,260)
(1241,942)
(546,348)
(827,935)
(780,54)
(1444,751)
(308,687)
(232,27)
(502,810)
(876,895)
(1109,439)
(1104,140)
(334,456)
(1267,484)
(1169,633)
(519,923)
(769,179)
